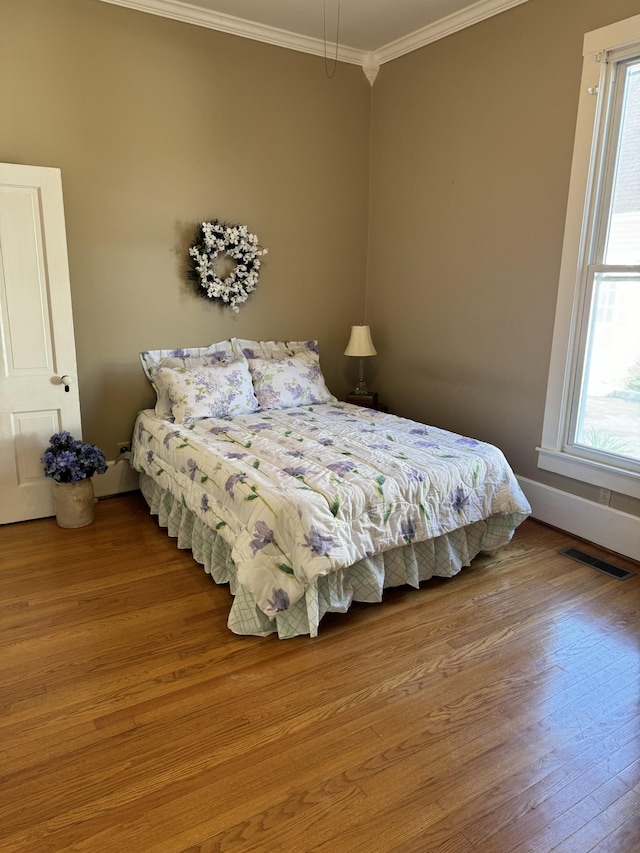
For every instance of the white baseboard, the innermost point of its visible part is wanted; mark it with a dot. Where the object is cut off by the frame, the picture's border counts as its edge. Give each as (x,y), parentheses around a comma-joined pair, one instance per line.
(119,477)
(611,529)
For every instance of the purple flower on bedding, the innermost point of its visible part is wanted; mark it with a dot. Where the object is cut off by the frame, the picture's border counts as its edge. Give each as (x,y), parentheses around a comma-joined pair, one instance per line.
(236,379)
(191,465)
(217,430)
(179,353)
(140,431)
(248,353)
(233,479)
(414,476)
(408,530)
(295,472)
(341,467)
(467,442)
(318,542)
(149,457)
(169,436)
(204,503)
(262,536)
(297,454)
(459,499)
(325,442)
(426,444)
(280,600)
(313,346)
(419,431)
(259,427)
(236,455)
(294,390)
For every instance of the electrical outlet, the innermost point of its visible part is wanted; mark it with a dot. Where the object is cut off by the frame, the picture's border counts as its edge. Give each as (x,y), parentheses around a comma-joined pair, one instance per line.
(605,497)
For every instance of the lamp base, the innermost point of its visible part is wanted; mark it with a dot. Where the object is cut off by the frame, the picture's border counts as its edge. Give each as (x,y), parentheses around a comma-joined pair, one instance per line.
(361,389)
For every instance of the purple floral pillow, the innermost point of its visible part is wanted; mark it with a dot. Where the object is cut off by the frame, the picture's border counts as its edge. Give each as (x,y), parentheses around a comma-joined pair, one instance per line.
(219,390)
(153,360)
(282,383)
(275,349)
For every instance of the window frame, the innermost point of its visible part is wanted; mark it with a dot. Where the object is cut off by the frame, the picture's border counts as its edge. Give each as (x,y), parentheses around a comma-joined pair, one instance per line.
(584,233)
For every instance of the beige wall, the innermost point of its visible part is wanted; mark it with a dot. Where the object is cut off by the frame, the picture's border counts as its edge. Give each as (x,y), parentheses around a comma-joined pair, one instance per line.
(157,125)
(472,139)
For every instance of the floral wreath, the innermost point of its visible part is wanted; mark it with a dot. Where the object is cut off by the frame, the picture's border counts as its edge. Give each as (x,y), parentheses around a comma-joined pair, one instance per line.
(217,241)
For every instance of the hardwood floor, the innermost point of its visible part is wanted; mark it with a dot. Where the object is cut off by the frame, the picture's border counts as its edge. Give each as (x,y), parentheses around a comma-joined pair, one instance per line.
(496,712)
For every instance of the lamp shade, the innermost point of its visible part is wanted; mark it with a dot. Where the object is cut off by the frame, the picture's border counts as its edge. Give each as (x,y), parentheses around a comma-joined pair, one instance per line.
(360,343)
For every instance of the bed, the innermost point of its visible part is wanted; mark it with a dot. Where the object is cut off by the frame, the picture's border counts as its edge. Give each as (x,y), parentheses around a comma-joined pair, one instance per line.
(301,503)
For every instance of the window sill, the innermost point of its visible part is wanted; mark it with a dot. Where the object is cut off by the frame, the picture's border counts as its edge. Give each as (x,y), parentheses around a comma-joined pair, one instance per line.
(587,471)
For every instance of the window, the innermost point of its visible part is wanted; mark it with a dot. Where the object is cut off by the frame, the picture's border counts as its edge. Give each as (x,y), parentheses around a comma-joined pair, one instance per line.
(592,416)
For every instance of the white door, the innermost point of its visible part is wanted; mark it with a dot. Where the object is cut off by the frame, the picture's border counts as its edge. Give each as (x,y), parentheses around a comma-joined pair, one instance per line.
(37,345)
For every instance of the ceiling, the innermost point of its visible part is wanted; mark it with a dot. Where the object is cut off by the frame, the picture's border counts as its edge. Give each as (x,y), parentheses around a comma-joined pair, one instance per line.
(370,32)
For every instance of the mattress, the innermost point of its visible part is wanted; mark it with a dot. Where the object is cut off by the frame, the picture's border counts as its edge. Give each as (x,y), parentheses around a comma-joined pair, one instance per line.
(305,509)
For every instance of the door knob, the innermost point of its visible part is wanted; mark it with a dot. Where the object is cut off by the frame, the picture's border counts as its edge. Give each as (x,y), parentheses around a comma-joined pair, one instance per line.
(66,381)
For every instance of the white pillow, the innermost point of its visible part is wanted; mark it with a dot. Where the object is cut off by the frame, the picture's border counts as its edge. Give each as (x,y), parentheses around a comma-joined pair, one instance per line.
(208,391)
(282,383)
(152,360)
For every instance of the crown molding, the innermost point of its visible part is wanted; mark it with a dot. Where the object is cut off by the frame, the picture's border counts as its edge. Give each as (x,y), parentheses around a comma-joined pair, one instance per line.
(445,27)
(189,14)
(370,61)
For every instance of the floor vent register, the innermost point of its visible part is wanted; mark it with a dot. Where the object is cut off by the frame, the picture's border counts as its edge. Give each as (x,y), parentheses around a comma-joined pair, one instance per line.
(596,563)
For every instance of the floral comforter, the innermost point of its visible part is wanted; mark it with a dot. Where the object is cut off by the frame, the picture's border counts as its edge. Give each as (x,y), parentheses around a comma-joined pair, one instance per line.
(299,493)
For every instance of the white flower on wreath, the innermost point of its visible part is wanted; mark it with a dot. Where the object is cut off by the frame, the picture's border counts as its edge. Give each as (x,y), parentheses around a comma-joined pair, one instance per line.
(215,241)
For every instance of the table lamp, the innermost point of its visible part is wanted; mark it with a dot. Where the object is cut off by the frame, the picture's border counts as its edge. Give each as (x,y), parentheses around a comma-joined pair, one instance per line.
(360,345)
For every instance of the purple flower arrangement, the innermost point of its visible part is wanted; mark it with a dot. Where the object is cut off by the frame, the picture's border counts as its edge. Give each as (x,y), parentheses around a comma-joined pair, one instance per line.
(69,460)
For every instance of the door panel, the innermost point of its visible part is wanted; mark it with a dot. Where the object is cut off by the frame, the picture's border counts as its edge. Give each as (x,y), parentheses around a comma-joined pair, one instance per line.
(36,337)
(26,309)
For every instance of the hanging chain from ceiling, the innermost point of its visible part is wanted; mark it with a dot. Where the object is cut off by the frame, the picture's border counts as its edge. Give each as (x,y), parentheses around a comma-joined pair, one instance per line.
(331,73)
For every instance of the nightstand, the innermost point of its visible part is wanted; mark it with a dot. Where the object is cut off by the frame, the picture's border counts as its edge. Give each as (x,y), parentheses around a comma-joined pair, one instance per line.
(369,401)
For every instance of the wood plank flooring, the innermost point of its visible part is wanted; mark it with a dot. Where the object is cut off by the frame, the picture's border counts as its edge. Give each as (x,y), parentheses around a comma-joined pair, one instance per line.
(496,712)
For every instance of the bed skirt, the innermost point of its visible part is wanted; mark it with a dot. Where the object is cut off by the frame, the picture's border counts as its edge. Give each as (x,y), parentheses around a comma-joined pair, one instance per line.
(364,581)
